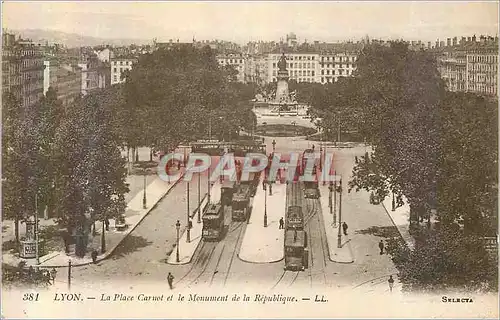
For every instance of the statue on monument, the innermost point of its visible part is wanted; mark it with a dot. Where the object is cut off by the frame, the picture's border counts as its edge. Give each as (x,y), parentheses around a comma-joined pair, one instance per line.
(282,63)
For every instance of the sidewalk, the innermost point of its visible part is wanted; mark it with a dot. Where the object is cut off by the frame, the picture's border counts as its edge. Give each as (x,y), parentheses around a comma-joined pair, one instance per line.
(401,219)
(380,285)
(339,255)
(260,244)
(134,214)
(187,249)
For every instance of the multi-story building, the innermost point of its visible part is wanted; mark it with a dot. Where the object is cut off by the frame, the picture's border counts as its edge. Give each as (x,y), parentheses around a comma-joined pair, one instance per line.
(95,74)
(336,65)
(471,66)
(105,55)
(65,79)
(453,70)
(482,69)
(118,67)
(22,69)
(302,67)
(237,61)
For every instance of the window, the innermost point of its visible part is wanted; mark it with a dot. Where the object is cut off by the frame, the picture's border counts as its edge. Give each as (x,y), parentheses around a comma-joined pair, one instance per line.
(121,63)
(312,73)
(114,69)
(322,79)
(322,72)
(115,78)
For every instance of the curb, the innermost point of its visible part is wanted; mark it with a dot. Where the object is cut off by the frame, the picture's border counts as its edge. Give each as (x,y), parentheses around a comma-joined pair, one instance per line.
(342,261)
(266,262)
(129,231)
(190,259)
(197,247)
(328,245)
(394,224)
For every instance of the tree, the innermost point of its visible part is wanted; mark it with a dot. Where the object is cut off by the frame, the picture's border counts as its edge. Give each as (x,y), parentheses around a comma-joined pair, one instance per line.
(437,148)
(90,181)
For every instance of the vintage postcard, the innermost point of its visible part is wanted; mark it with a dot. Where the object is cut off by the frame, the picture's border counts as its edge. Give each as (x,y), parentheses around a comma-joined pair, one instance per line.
(249,159)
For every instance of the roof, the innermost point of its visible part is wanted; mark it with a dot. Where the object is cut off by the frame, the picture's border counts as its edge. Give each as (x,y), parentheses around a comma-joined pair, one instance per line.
(292,241)
(295,210)
(213,211)
(227,184)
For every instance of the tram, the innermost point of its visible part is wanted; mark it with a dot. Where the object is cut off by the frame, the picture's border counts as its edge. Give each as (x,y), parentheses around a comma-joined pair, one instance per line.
(241,203)
(294,218)
(296,251)
(213,222)
(227,190)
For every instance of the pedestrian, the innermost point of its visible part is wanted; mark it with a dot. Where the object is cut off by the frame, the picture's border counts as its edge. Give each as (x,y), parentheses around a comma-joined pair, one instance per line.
(282,223)
(106,223)
(170,280)
(94,256)
(381,246)
(344,227)
(391,283)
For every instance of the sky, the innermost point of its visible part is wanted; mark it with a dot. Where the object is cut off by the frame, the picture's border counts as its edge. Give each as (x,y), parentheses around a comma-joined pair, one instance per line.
(250,21)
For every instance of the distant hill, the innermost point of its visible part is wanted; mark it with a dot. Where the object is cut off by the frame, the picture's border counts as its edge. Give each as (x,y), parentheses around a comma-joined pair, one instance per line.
(72,40)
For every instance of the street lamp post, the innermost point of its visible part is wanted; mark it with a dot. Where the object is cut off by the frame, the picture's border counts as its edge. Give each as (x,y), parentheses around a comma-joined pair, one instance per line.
(36,229)
(103,237)
(339,239)
(265,209)
(188,239)
(335,201)
(144,196)
(199,197)
(274,145)
(393,202)
(177,226)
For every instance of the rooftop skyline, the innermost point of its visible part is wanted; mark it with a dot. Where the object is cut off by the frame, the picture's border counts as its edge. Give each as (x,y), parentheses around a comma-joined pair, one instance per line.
(253,21)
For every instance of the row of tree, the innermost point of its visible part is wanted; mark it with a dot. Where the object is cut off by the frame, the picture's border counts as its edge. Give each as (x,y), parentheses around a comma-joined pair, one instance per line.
(182,94)
(67,160)
(435,147)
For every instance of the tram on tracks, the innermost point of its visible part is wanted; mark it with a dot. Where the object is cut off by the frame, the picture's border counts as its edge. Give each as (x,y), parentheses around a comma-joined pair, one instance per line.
(241,207)
(227,189)
(295,244)
(213,222)
(296,251)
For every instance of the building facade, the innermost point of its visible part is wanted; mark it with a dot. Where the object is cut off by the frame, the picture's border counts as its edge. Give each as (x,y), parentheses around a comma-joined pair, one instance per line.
(238,62)
(471,66)
(118,67)
(94,74)
(336,65)
(65,79)
(22,69)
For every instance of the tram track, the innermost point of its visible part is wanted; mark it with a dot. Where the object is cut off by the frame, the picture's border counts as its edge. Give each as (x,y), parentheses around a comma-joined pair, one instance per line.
(283,279)
(203,257)
(234,252)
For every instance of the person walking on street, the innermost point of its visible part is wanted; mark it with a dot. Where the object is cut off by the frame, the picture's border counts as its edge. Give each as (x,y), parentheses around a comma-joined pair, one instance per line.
(344,227)
(282,223)
(391,283)
(170,279)
(381,246)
